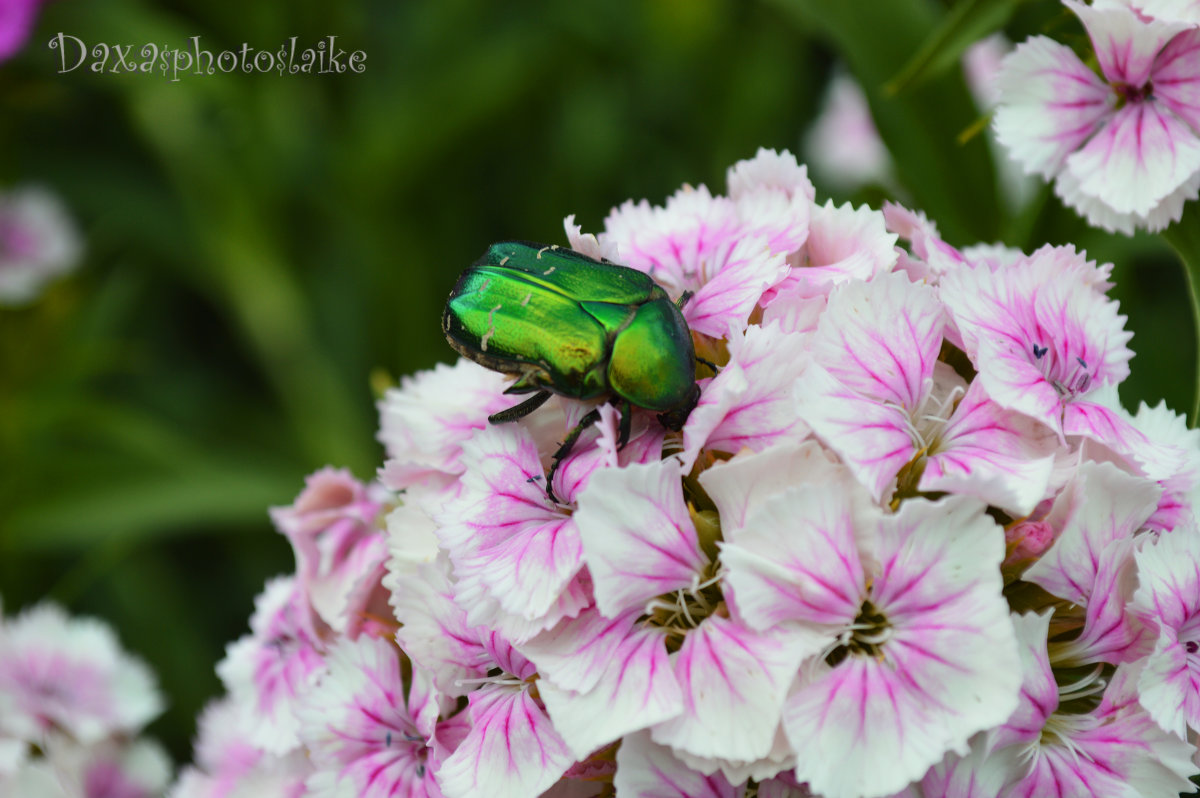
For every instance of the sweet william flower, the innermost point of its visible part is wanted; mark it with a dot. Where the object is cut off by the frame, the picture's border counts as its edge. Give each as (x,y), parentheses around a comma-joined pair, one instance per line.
(367,736)
(1124,148)
(916,652)
(69,675)
(38,238)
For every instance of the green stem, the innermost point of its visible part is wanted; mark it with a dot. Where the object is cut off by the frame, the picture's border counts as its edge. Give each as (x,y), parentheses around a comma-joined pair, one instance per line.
(1184,238)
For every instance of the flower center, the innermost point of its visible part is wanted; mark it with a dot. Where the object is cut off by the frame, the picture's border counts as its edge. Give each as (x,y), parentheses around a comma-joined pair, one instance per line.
(1070,378)
(680,612)
(865,637)
(1132,94)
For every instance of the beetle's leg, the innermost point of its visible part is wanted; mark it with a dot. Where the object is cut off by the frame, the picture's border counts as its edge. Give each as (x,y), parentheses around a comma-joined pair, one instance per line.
(708,363)
(564,450)
(626,424)
(520,411)
(683,299)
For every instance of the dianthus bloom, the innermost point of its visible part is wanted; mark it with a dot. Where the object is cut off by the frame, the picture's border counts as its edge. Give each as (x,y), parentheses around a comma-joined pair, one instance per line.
(38,241)
(71,706)
(907,543)
(1123,148)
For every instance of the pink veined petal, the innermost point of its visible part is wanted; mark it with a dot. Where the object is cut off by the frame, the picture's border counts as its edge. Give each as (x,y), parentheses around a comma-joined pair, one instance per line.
(575,654)
(779,219)
(947,669)
(734,681)
(1096,211)
(636,689)
(770,170)
(844,244)
(1141,155)
(1125,43)
(424,421)
(1013,382)
(1050,103)
(1177,72)
(992,454)
(638,539)
(739,272)
(674,244)
(881,338)
(796,561)
(648,770)
(740,484)
(1101,506)
(1116,750)
(847,243)
(1110,632)
(872,438)
(1169,688)
(1168,600)
(511,751)
(1108,427)
(358,730)
(503,533)
(749,403)
(433,632)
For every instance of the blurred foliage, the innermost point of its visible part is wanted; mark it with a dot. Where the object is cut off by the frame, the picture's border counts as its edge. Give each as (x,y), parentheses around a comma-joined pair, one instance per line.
(258,244)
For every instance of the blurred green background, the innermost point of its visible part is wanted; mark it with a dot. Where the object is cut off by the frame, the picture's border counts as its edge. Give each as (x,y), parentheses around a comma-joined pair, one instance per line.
(257,246)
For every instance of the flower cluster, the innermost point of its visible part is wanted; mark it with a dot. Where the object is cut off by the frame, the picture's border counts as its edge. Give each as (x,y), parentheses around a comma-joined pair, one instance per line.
(72,704)
(907,543)
(1122,147)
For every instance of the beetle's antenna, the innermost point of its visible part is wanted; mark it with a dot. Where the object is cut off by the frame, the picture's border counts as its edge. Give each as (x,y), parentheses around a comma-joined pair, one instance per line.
(683,299)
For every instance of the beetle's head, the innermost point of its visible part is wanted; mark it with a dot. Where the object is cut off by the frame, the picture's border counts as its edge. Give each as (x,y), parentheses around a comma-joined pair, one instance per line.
(674,418)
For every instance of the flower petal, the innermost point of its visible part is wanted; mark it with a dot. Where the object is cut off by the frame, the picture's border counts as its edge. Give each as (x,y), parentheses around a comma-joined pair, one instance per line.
(637,537)
(1050,103)
(648,770)
(636,689)
(512,750)
(1137,158)
(734,681)
(992,454)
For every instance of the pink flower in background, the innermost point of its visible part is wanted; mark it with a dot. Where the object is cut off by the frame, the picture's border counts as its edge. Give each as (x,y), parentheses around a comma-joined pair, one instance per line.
(61,674)
(38,239)
(72,705)
(1123,150)
(16,24)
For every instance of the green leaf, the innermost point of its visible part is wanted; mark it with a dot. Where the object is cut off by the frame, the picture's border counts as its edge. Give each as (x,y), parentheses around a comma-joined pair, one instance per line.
(954,183)
(132,507)
(966,23)
(1184,238)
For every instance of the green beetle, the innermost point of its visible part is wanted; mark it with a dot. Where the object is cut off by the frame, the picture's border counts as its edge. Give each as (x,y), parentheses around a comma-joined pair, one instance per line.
(567,324)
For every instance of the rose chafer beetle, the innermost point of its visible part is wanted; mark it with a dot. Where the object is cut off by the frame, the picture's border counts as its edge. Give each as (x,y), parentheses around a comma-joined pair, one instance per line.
(567,324)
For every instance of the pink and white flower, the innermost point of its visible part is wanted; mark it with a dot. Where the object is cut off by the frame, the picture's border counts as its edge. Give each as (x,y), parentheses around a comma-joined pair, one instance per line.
(877,395)
(339,550)
(1124,149)
(38,238)
(1049,747)
(915,652)
(269,668)
(1042,337)
(366,734)
(69,675)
